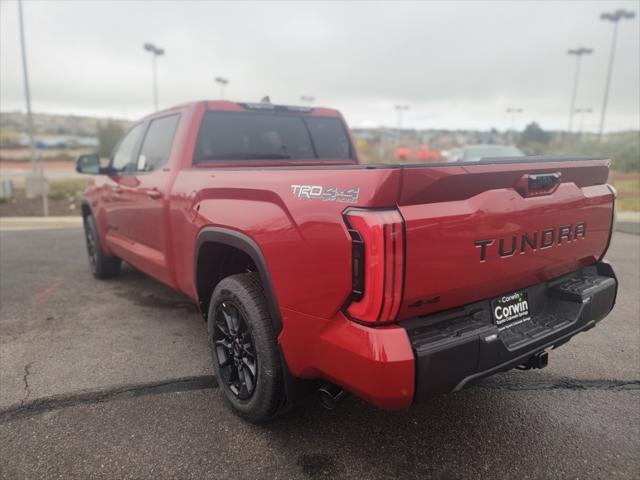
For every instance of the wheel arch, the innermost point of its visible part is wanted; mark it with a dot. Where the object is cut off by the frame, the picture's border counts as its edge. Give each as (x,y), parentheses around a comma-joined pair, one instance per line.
(230,240)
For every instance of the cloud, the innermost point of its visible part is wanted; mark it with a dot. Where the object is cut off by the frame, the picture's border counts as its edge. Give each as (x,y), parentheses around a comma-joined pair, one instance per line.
(458,64)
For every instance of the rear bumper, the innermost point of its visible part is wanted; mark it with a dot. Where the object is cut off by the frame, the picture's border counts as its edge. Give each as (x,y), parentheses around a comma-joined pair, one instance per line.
(396,365)
(454,348)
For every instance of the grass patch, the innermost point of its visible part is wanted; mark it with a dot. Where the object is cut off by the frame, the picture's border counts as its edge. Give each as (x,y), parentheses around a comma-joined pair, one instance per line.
(67,189)
(628,204)
(628,187)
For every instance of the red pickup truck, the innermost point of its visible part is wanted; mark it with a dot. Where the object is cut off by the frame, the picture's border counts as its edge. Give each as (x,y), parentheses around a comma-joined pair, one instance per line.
(391,282)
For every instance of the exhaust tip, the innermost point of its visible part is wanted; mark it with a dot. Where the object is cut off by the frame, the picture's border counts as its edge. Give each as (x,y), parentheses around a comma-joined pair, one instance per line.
(330,396)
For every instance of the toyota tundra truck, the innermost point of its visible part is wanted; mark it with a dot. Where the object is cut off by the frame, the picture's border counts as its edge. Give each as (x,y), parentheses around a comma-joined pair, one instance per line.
(390,282)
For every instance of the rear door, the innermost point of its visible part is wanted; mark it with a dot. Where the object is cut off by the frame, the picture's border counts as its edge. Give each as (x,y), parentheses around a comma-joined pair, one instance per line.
(477,231)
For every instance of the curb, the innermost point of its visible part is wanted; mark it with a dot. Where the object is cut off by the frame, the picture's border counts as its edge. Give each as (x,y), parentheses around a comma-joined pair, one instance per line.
(628,222)
(39,223)
(633,217)
(628,227)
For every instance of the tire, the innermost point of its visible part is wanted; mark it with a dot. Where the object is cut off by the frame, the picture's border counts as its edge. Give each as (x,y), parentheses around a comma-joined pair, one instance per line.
(102,266)
(238,315)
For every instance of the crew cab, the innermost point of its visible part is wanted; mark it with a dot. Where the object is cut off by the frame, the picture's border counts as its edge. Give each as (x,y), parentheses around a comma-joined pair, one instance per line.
(390,282)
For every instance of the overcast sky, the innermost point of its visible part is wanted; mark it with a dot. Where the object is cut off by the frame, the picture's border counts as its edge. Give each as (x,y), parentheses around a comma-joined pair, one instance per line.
(457,64)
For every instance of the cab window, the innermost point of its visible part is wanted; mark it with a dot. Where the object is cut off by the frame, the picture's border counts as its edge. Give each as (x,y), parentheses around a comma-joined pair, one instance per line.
(126,149)
(156,147)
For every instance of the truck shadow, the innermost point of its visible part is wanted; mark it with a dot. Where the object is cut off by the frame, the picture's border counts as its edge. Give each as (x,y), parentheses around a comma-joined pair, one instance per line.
(516,420)
(427,441)
(150,293)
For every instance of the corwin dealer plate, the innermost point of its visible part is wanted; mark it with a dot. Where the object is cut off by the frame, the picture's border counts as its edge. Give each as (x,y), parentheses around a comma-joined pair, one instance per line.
(510,310)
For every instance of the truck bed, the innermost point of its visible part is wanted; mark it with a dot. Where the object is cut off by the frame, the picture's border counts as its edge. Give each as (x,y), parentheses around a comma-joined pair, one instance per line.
(446,208)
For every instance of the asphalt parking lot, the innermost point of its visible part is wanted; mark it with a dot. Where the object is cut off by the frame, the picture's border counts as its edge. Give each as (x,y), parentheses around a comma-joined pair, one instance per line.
(113,380)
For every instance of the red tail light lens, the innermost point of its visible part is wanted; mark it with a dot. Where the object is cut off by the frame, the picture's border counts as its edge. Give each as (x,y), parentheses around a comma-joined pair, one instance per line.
(378,264)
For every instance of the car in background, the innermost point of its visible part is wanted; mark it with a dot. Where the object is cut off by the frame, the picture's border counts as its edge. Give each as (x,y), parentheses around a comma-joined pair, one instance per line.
(474,153)
(422,153)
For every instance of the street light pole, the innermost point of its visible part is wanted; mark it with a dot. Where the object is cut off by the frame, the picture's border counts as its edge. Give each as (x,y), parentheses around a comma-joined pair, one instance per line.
(27,91)
(308,99)
(223,83)
(582,112)
(614,17)
(154,60)
(513,112)
(155,53)
(400,109)
(578,52)
(32,151)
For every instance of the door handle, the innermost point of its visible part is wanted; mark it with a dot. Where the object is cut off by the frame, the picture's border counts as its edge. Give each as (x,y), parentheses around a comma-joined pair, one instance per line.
(117,189)
(536,184)
(154,194)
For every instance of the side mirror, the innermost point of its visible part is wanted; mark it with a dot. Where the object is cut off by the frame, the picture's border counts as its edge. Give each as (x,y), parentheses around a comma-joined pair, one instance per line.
(89,164)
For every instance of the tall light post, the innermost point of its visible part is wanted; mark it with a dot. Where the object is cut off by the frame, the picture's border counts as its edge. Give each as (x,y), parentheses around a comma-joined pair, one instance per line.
(400,109)
(223,83)
(27,91)
(37,178)
(307,99)
(155,53)
(578,52)
(583,112)
(513,111)
(614,17)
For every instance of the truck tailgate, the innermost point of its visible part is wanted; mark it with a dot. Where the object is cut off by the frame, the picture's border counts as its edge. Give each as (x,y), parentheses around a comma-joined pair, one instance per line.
(476,231)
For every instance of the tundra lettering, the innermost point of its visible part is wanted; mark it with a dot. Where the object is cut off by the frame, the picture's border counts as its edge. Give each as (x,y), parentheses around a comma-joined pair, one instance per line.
(529,241)
(312,268)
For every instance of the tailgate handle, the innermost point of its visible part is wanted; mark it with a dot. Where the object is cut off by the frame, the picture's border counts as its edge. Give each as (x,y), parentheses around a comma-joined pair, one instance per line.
(534,184)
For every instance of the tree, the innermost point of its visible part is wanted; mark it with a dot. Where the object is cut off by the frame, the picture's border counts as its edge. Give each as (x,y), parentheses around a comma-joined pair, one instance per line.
(109,134)
(534,134)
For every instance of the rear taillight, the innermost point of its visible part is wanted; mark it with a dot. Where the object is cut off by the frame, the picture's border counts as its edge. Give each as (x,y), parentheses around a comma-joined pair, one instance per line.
(377,264)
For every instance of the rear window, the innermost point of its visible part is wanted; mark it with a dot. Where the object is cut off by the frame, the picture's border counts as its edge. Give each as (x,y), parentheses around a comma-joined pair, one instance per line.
(228,136)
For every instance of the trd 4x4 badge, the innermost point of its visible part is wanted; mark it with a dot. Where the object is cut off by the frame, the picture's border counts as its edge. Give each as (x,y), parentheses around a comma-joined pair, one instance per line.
(326,194)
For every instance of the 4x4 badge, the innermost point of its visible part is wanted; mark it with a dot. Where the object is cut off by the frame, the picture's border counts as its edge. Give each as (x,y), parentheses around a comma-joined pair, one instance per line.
(326,194)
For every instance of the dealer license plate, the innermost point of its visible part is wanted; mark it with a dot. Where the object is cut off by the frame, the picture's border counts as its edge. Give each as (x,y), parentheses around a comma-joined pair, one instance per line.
(510,310)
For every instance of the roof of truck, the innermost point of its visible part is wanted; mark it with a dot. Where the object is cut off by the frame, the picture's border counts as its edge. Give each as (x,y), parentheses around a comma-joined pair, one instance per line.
(229,106)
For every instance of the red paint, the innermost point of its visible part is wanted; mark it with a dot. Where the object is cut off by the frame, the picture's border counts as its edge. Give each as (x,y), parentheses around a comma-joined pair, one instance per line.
(376,364)
(47,292)
(307,248)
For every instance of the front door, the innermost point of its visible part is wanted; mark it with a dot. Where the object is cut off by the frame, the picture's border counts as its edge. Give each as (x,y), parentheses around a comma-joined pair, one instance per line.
(114,198)
(145,222)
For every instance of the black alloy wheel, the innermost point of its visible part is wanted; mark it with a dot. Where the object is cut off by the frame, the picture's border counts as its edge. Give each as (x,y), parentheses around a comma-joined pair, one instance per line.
(92,247)
(235,351)
(244,348)
(102,266)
